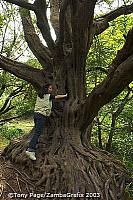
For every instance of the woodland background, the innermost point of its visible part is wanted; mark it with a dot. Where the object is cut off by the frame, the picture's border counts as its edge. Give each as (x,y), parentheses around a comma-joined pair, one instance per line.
(112,128)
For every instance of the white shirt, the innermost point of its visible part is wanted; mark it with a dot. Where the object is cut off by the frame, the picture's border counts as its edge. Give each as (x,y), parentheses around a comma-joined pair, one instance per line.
(43,105)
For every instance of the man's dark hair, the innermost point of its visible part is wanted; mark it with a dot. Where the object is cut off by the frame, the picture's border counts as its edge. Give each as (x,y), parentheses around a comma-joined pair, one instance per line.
(43,90)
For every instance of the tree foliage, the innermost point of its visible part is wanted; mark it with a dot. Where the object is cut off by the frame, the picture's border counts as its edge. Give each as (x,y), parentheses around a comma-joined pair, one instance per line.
(13,91)
(119,110)
(65,153)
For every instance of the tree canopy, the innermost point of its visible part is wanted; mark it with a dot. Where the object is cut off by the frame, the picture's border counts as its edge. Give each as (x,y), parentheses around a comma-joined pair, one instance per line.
(67,162)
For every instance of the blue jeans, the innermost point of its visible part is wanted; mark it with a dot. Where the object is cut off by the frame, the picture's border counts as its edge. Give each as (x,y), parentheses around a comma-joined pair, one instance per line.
(39,121)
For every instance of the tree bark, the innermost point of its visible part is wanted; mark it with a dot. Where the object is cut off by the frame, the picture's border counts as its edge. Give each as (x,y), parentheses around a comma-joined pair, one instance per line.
(119,76)
(99,134)
(32,75)
(63,159)
(41,52)
(66,161)
(102,23)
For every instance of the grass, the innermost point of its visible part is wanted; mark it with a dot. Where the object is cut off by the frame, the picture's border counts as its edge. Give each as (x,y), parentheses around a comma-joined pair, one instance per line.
(3,142)
(24,124)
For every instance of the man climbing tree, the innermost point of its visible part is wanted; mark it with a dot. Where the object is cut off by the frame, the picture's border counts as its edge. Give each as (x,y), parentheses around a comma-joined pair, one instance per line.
(66,161)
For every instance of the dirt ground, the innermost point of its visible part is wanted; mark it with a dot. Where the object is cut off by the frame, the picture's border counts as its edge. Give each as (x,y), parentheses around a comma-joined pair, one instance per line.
(13,182)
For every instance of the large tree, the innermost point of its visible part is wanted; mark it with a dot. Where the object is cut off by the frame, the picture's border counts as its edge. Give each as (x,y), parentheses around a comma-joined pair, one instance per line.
(66,160)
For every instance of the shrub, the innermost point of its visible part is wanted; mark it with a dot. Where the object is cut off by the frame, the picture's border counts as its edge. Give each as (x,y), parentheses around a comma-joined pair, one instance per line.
(10,133)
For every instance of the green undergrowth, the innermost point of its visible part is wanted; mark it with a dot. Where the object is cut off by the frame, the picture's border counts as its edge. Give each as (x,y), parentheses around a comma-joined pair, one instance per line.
(14,129)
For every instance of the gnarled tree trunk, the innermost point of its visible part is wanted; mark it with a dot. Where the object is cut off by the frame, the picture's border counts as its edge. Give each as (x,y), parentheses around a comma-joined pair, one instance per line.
(66,165)
(66,161)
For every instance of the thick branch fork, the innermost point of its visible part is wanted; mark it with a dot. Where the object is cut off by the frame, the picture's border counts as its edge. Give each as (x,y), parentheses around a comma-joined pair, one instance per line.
(42,23)
(119,76)
(41,52)
(22,4)
(102,23)
(24,71)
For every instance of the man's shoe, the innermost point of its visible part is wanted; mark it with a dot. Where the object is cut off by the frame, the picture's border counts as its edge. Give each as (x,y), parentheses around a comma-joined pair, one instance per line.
(31,155)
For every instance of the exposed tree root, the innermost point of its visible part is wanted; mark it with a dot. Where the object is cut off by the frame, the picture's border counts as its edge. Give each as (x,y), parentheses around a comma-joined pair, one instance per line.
(63,167)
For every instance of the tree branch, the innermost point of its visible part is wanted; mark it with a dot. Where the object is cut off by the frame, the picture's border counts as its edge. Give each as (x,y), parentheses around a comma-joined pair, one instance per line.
(119,76)
(82,18)
(40,8)
(42,23)
(102,23)
(7,102)
(2,89)
(54,16)
(9,119)
(124,10)
(64,39)
(82,13)
(114,118)
(99,132)
(4,35)
(41,52)
(122,105)
(101,69)
(63,8)
(31,75)
(68,31)
(22,4)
